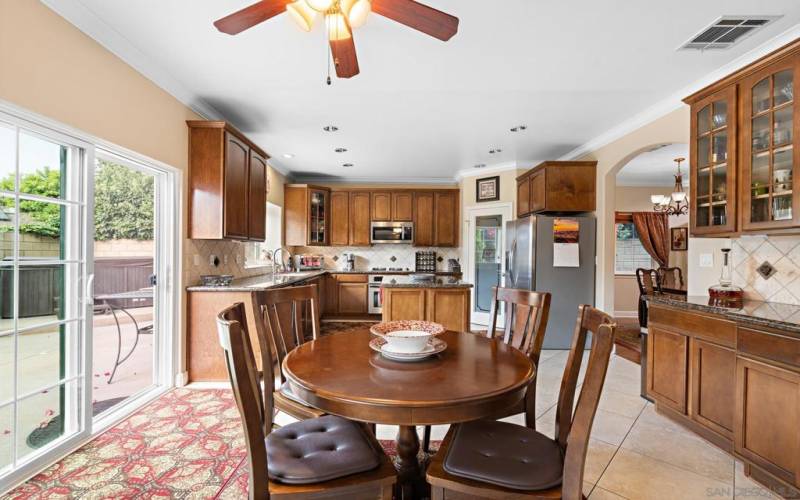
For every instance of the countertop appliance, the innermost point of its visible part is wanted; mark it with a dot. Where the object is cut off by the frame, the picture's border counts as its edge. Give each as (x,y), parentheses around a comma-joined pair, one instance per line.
(309,262)
(529,266)
(375,296)
(453,265)
(425,261)
(392,232)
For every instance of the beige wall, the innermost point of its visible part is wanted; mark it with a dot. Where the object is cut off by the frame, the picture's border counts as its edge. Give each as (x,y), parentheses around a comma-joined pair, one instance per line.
(508,188)
(670,128)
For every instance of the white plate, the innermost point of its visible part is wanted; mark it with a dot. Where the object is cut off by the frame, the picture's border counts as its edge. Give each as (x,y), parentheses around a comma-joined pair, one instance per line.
(435,346)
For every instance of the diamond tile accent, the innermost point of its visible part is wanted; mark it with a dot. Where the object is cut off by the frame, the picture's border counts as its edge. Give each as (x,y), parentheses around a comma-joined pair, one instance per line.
(782,273)
(766,270)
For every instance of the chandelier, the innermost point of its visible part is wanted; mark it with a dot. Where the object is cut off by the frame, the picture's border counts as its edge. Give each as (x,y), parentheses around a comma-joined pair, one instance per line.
(676,203)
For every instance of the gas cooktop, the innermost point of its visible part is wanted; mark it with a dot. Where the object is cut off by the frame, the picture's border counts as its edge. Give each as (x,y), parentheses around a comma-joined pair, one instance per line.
(388,269)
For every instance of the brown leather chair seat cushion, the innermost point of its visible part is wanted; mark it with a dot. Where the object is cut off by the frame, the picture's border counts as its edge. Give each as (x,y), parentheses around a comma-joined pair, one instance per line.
(319,449)
(507,455)
(286,390)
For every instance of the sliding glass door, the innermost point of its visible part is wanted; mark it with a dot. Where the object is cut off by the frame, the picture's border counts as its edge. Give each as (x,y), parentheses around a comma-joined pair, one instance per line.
(43,271)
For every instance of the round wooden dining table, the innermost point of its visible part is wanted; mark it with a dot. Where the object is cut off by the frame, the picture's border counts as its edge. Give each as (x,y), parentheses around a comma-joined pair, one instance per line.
(475,377)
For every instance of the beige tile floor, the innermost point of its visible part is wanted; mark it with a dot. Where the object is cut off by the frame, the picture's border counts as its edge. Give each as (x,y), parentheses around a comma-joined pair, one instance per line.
(634,452)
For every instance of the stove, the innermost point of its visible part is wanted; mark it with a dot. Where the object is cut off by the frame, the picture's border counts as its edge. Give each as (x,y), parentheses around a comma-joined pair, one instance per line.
(393,269)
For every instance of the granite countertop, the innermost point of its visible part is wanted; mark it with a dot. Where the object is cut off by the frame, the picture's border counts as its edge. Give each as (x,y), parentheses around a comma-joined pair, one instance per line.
(260,282)
(439,282)
(769,314)
(393,273)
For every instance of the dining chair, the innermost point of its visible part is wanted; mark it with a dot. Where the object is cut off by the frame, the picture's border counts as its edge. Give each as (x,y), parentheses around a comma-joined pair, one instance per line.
(493,459)
(670,277)
(524,328)
(327,456)
(649,283)
(287,317)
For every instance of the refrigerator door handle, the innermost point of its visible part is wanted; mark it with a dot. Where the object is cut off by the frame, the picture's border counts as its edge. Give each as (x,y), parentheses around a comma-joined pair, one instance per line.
(511,256)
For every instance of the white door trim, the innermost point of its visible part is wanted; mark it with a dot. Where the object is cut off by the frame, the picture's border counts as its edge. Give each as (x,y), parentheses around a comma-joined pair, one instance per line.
(505,210)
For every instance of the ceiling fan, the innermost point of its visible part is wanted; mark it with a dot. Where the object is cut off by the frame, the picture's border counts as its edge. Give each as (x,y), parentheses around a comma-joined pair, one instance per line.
(341,16)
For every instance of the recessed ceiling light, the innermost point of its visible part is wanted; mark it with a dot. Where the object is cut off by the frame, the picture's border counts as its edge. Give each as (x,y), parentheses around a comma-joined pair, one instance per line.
(480,165)
(519,128)
(495,151)
(330,128)
(341,150)
(347,165)
(288,156)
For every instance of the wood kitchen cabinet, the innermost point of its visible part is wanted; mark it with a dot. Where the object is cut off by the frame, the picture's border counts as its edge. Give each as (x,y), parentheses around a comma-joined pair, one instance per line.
(771,147)
(352,291)
(713,165)
(667,367)
(767,416)
(423,219)
(402,206)
(227,183)
(445,218)
(340,218)
(360,230)
(381,207)
(745,149)
(306,215)
(331,303)
(449,307)
(713,395)
(557,186)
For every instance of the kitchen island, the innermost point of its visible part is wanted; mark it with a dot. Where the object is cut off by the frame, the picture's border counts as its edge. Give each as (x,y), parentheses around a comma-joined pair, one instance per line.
(733,377)
(444,300)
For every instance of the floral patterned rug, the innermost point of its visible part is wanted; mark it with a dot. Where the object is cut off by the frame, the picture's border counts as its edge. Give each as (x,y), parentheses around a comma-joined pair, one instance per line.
(186,444)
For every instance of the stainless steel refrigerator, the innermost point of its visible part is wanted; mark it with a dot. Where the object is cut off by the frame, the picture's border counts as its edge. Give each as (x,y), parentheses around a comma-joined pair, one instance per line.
(529,266)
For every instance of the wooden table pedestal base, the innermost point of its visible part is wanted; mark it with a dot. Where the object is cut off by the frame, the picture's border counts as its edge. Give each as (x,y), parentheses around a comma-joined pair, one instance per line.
(411,467)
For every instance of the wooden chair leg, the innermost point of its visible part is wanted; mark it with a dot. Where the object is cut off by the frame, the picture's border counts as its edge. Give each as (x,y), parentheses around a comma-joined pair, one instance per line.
(387,493)
(437,493)
(373,428)
(426,439)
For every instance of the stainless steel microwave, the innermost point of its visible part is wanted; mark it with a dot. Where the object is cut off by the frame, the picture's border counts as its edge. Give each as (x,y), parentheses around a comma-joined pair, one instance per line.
(392,232)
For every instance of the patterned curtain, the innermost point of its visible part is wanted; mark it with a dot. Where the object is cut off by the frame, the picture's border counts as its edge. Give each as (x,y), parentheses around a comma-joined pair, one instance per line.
(653,229)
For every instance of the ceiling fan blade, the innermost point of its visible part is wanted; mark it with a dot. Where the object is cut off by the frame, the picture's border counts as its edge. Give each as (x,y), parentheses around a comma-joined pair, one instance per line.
(344,57)
(415,15)
(250,16)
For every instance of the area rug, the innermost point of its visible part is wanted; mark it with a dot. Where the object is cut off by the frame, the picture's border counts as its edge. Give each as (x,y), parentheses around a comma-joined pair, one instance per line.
(186,444)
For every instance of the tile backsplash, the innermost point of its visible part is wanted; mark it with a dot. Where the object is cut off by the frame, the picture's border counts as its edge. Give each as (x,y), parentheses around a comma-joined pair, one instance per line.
(782,285)
(379,256)
(230,254)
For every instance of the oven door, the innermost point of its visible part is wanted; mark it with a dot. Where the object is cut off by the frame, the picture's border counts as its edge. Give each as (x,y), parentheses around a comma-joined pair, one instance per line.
(375,300)
(392,232)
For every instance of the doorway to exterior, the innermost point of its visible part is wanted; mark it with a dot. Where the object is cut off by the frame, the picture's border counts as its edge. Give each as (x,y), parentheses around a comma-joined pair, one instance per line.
(51,348)
(484,256)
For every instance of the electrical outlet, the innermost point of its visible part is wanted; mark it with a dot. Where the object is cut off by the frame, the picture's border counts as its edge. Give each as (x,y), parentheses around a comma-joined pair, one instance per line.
(238,259)
(196,260)
(706,260)
(225,259)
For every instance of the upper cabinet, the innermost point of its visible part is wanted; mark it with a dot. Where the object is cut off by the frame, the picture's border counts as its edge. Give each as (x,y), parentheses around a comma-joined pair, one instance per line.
(392,206)
(423,219)
(306,215)
(744,149)
(350,224)
(712,163)
(770,147)
(227,183)
(340,218)
(445,219)
(557,186)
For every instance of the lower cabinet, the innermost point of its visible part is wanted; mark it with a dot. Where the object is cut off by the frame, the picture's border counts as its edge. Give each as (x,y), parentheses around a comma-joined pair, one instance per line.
(449,307)
(667,367)
(346,294)
(713,394)
(767,417)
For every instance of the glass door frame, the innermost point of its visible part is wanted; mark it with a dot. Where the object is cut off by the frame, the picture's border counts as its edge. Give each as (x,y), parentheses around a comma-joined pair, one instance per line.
(506,212)
(170,245)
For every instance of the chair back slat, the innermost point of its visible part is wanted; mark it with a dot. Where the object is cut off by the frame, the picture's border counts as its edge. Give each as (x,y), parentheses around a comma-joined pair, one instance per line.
(573,428)
(284,317)
(524,328)
(671,277)
(648,281)
(255,407)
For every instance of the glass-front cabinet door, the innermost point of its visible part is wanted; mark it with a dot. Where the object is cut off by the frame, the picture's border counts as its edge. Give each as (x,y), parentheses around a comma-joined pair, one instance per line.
(713,164)
(770,148)
(317,215)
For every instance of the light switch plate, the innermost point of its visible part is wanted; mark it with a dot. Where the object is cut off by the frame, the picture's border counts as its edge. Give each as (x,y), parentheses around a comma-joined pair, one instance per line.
(706,260)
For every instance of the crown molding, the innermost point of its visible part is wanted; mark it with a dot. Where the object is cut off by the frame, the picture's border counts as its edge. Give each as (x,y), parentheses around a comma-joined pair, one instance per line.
(491,169)
(278,169)
(80,16)
(371,180)
(675,100)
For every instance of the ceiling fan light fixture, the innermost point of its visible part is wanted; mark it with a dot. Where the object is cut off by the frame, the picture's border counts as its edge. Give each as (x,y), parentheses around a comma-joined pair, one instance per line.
(320,5)
(338,28)
(356,11)
(302,14)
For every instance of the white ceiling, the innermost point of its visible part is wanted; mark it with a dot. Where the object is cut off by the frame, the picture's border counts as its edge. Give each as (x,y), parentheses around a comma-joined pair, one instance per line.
(655,168)
(423,109)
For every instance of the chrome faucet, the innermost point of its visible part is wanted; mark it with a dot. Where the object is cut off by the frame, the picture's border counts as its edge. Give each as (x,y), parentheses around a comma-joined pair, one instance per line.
(282,268)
